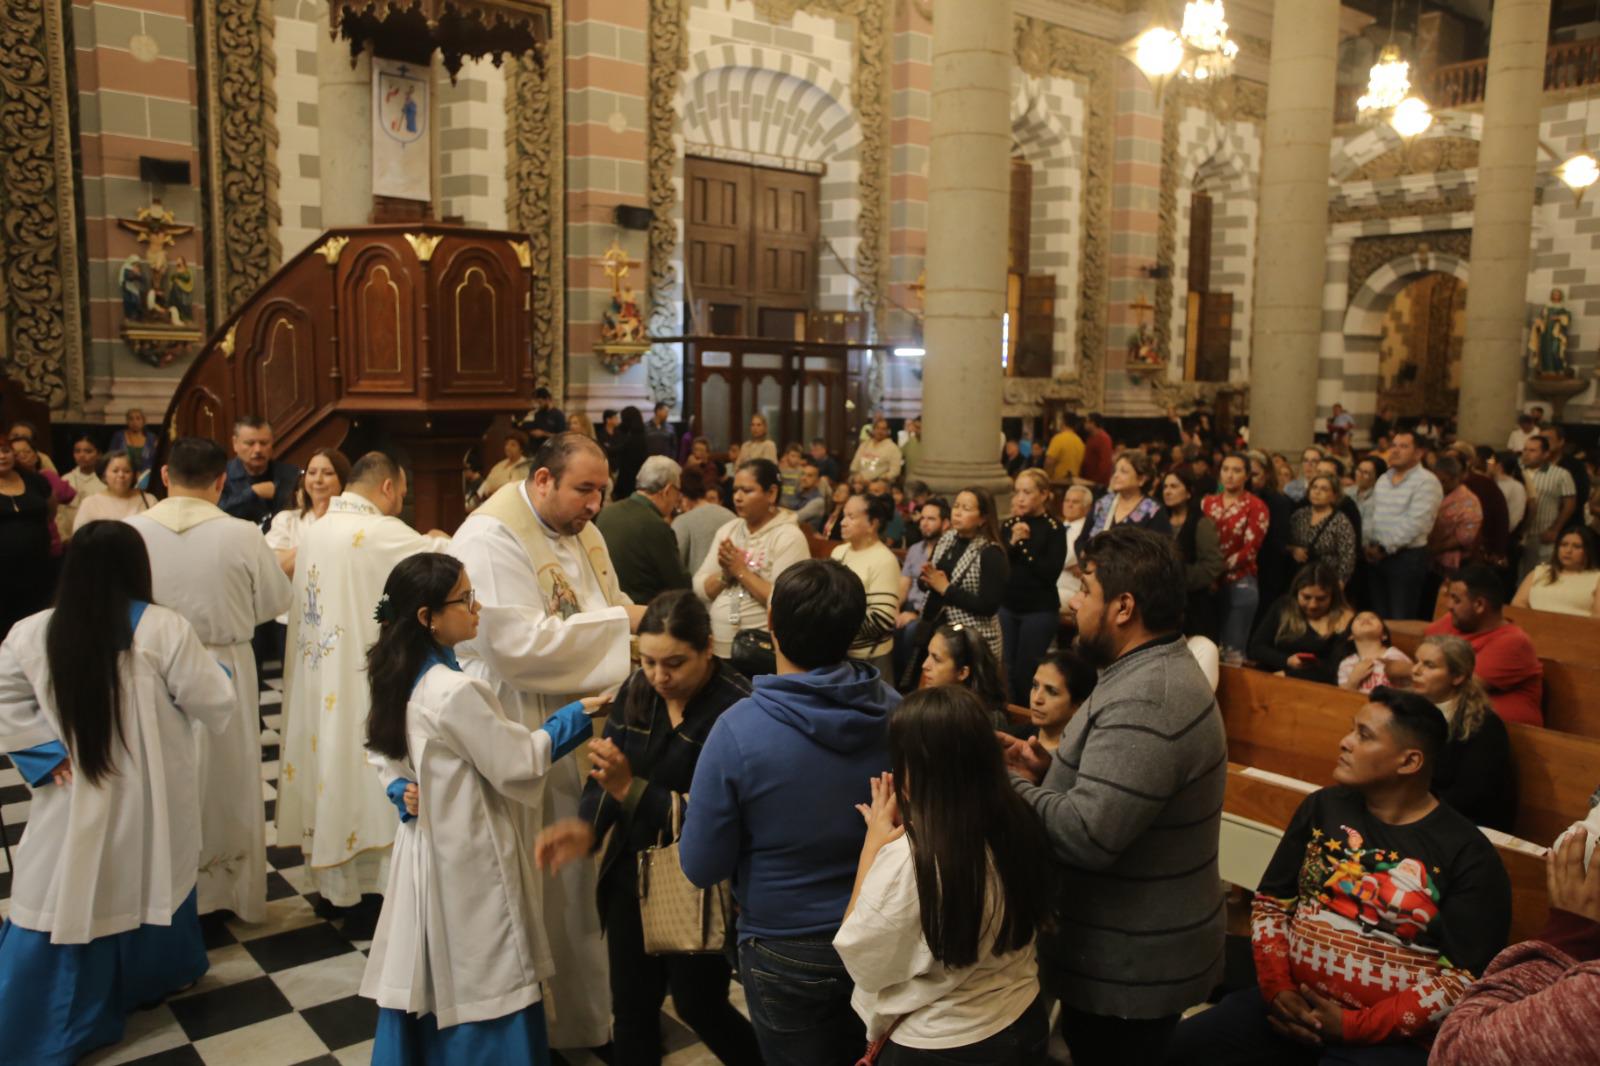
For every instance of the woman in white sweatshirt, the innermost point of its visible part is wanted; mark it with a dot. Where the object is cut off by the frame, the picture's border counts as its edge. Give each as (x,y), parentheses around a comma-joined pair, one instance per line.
(939,932)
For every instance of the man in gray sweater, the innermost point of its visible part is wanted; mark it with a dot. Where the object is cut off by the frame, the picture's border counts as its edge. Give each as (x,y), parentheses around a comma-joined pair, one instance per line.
(1132,803)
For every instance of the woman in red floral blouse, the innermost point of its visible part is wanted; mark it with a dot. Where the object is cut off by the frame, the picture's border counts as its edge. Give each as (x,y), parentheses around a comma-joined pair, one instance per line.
(1241,521)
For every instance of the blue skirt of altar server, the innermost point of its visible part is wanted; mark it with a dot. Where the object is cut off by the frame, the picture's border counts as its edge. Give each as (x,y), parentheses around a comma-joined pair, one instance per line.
(518,1039)
(58,1002)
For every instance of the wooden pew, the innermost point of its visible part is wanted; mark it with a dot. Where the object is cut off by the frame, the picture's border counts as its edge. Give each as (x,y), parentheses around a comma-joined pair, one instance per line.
(1256,800)
(1294,728)
(1563,637)
(1571,685)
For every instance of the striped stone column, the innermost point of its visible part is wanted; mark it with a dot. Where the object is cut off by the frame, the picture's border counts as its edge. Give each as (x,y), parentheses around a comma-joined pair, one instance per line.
(1292,241)
(1502,225)
(968,205)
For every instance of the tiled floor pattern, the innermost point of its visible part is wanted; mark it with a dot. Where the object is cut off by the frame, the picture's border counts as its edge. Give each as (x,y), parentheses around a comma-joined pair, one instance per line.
(282,992)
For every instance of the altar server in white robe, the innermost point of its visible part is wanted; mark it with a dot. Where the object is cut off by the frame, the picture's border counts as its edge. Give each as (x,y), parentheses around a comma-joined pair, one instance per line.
(330,802)
(554,626)
(460,950)
(217,571)
(98,702)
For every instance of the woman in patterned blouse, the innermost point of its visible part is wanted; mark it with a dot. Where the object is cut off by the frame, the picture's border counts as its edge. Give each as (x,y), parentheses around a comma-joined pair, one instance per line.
(1318,533)
(1128,501)
(1241,520)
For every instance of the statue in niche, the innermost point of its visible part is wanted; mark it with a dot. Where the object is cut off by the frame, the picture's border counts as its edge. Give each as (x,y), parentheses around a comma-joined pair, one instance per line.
(623,339)
(157,292)
(1548,337)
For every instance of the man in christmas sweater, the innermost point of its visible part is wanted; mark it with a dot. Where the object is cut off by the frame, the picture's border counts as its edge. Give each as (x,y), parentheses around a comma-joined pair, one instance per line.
(1377,910)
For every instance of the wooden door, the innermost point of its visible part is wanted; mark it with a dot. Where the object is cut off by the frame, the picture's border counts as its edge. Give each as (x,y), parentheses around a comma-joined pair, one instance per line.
(1200,243)
(784,242)
(717,210)
(1216,337)
(1037,335)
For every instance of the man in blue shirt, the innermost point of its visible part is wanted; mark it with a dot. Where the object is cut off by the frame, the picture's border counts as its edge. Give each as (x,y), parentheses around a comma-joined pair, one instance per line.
(1405,503)
(257,486)
(773,808)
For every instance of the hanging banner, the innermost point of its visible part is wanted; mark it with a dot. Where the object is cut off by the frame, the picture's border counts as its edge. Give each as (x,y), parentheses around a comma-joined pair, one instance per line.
(400,136)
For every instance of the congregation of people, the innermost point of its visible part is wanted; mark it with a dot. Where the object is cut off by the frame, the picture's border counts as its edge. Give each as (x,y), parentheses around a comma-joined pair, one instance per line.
(943,775)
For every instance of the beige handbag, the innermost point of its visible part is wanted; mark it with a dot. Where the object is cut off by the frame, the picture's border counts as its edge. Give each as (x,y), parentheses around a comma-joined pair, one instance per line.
(678,918)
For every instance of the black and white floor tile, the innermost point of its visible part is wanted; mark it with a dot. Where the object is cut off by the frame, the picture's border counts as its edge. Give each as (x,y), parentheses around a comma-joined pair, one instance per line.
(281,992)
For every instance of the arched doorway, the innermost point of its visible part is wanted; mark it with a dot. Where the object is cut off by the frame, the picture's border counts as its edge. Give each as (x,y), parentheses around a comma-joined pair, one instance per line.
(1419,348)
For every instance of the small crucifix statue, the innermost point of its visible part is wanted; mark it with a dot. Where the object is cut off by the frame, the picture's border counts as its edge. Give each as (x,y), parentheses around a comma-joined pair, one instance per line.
(157,229)
(621,322)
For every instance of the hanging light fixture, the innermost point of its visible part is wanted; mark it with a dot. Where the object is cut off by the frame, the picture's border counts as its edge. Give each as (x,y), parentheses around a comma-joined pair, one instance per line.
(1200,51)
(1388,82)
(1411,117)
(1582,170)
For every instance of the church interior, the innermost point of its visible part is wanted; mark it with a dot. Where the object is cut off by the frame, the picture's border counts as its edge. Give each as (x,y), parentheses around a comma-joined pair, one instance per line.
(1124,245)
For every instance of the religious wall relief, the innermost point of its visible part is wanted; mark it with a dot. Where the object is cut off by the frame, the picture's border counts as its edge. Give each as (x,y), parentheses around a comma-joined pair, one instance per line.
(41,325)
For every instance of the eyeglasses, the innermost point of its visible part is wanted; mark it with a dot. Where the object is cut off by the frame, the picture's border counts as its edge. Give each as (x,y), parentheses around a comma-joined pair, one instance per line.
(468,598)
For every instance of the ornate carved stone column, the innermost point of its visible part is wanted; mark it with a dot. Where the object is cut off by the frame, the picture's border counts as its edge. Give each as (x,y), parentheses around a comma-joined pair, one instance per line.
(968,198)
(1491,358)
(1292,246)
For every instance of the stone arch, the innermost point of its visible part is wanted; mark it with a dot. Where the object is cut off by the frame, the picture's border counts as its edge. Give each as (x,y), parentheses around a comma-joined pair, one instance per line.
(1379,140)
(1362,332)
(777,107)
(1046,142)
(1216,165)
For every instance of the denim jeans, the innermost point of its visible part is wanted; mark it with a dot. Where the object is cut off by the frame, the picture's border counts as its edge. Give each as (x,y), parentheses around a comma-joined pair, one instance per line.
(798,993)
(1239,601)
(1235,1033)
(1395,582)
(1024,639)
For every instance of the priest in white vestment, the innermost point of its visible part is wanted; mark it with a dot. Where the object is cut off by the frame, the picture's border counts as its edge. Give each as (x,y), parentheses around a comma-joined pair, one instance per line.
(331,802)
(218,572)
(554,626)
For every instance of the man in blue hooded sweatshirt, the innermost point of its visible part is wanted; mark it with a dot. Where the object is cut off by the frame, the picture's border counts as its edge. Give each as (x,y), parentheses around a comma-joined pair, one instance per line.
(773,807)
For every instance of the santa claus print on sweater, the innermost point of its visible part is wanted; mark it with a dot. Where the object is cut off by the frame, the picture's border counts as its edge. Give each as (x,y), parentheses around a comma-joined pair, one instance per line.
(1392,921)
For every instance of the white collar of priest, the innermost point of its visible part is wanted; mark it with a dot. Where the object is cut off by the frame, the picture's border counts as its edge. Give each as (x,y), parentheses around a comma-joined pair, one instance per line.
(544,527)
(352,503)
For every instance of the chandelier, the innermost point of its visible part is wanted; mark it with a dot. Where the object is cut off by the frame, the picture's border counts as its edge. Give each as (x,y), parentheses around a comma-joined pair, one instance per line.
(1200,50)
(1388,97)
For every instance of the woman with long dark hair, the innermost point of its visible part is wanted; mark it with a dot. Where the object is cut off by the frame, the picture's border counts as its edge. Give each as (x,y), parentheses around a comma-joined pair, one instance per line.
(1242,522)
(939,932)
(326,474)
(1201,549)
(643,767)
(965,576)
(1570,582)
(1305,633)
(958,655)
(460,949)
(98,700)
(628,451)
(1062,684)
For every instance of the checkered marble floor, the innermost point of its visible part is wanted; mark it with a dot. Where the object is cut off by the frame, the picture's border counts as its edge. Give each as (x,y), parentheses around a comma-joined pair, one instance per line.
(283,991)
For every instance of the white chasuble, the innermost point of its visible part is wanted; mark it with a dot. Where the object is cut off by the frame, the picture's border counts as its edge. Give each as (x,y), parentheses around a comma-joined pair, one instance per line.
(218,572)
(552,628)
(330,800)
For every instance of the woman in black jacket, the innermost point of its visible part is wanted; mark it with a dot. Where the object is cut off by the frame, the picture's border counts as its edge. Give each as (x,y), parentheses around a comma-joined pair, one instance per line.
(965,577)
(1306,633)
(1473,773)
(1030,613)
(1203,565)
(629,448)
(642,767)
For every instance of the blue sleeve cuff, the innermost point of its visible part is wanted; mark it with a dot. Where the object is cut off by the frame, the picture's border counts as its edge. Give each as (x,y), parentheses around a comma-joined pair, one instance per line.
(568,728)
(397,796)
(35,764)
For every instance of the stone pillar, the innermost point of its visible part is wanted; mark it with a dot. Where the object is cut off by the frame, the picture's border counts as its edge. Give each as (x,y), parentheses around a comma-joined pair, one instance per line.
(1292,245)
(968,204)
(344,120)
(1502,224)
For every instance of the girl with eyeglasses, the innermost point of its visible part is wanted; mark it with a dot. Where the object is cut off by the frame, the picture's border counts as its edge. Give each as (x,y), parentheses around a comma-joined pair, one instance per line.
(460,951)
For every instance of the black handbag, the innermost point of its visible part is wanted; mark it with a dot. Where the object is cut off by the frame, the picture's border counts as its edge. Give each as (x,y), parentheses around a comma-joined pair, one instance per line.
(752,653)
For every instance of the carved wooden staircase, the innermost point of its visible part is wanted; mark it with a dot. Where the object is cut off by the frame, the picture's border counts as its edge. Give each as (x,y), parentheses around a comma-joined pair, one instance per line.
(410,338)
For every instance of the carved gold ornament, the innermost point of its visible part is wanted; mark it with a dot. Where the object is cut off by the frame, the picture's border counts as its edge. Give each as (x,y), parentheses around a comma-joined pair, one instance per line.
(332,248)
(424,244)
(523,252)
